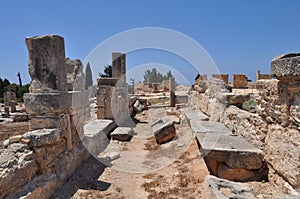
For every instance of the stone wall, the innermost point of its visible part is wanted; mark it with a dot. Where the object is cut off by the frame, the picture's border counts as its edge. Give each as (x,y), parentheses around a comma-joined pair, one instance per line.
(239,81)
(223,77)
(47,155)
(112,93)
(262,76)
(275,126)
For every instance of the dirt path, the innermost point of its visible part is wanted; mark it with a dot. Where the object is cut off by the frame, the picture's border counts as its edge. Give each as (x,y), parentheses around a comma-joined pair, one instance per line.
(143,169)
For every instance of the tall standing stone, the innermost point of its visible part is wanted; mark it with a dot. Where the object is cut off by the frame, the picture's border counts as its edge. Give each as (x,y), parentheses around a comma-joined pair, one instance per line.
(46,63)
(172,86)
(119,66)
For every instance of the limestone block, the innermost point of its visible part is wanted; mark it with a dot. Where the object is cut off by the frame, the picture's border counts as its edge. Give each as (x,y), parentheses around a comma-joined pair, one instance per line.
(286,67)
(46,63)
(163,130)
(122,134)
(43,137)
(236,174)
(282,152)
(216,188)
(47,103)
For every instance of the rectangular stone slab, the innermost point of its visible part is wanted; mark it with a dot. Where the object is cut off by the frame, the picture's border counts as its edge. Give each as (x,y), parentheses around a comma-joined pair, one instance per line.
(122,134)
(193,117)
(234,150)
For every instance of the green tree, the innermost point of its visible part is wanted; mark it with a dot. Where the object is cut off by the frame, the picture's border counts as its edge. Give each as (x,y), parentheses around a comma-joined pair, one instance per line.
(153,76)
(107,71)
(88,76)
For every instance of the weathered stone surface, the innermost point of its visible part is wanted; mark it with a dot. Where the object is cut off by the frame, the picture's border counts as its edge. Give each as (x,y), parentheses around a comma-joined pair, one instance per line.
(15,138)
(47,103)
(163,130)
(236,99)
(172,88)
(216,188)
(43,136)
(282,151)
(122,134)
(236,174)
(17,168)
(138,107)
(250,126)
(119,66)
(239,81)
(235,151)
(20,117)
(286,67)
(75,76)
(194,117)
(46,63)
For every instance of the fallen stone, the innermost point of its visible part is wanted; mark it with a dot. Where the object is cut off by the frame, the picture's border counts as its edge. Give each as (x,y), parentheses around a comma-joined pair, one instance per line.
(216,188)
(15,138)
(113,156)
(122,134)
(138,107)
(163,130)
(5,143)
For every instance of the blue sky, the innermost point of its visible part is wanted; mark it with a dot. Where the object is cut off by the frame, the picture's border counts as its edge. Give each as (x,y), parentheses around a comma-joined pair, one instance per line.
(240,36)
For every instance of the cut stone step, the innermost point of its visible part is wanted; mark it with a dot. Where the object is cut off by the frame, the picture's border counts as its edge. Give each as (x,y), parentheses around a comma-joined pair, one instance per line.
(122,134)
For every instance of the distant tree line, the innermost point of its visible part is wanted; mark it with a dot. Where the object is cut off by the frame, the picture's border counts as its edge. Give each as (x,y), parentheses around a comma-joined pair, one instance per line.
(6,86)
(153,76)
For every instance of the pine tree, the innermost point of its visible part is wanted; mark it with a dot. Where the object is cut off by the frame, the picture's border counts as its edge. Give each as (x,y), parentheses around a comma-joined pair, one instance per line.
(88,76)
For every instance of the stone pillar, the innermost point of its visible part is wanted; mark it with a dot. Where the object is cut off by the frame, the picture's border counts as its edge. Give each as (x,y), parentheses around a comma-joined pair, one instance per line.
(119,66)
(6,109)
(223,77)
(172,87)
(13,105)
(46,63)
(48,102)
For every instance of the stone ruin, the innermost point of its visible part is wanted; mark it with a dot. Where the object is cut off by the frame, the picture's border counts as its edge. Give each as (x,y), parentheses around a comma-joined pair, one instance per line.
(39,161)
(10,102)
(271,134)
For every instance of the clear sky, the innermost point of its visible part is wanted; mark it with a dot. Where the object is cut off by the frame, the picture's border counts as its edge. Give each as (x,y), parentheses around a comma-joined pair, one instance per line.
(241,36)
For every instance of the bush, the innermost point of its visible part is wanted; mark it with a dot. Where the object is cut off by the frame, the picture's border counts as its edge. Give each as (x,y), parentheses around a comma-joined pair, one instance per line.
(249,105)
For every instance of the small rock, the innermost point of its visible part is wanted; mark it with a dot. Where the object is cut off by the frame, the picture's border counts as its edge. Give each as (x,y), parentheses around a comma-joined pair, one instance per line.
(5,143)
(113,156)
(15,138)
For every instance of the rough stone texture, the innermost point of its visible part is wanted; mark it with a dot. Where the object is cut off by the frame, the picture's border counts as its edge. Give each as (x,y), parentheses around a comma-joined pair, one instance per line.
(279,101)
(119,66)
(42,137)
(46,63)
(236,99)
(122,134)
(286,67)
(163,130)
(172,87)
(17,168)
(250,126)
(75,76)
(239,81)
(216,188)
(282,152)
(235,151)
(223,77)
(262,76)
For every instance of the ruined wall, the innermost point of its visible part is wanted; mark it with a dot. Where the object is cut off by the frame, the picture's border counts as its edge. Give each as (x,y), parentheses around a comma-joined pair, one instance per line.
(223,77)
(275,126)
(52,150)
(262,76)
(239,81)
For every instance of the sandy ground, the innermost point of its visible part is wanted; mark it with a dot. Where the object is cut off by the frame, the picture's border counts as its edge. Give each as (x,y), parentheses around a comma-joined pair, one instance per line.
(144,168)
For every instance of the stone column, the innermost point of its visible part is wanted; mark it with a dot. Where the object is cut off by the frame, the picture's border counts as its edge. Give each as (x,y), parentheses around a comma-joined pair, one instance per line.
(48,102)
(119,66)
(172,87)
(46,63)
(13,106)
